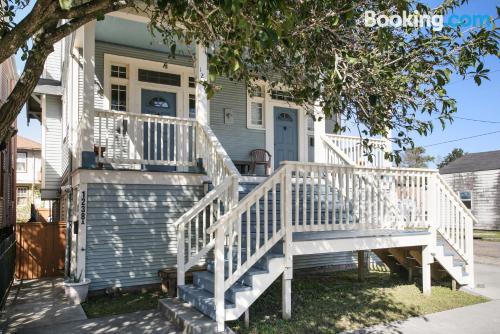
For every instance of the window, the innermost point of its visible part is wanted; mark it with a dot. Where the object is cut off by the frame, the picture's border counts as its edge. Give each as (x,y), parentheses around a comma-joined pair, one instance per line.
(466,198)
(22,195)
(256,112)
(281,95)
(192,106)
(119,97)
(119,71)
(160,78)
(310,124)
(22,160)
(192,82)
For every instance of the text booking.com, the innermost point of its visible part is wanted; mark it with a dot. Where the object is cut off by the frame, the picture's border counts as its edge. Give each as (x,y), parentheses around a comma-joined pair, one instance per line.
(416,20)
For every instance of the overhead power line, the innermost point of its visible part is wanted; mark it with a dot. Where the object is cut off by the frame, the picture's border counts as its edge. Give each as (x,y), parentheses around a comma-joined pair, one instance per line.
(476,120)
(464,138)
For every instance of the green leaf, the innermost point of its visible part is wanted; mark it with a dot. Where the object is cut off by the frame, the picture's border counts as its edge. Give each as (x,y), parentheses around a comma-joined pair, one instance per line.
(66,4)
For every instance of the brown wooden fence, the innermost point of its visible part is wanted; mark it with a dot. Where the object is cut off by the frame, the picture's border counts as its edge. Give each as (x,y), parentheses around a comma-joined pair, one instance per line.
(40,249)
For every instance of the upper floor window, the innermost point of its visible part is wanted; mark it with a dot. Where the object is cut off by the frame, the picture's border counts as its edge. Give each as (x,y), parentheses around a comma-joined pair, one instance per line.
(281,95)
(119,97)
(256,108)
(161,78)
(22,161)
(192,82)
(118,71)
(466,198)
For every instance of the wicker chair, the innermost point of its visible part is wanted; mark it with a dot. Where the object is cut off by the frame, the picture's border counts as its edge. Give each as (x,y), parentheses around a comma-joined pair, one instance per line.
(260,157)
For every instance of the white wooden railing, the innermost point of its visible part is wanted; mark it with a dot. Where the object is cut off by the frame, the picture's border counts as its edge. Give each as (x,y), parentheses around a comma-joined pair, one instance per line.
(128,138)
(234,244)
(353,149)
(193,241)
(456,222)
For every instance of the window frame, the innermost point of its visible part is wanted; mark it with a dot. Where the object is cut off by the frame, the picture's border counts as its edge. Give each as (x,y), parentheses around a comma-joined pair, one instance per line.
(26,195)
(466,200)
(117,81)
(25,161)
(256,99)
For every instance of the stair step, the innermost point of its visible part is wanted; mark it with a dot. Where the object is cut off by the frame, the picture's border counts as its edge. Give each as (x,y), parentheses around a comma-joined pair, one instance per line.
(201,299)
(205,280)
(186,317)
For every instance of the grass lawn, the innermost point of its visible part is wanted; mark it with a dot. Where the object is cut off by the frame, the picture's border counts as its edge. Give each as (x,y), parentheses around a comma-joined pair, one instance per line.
(101,306)
(336,302)
(487,235)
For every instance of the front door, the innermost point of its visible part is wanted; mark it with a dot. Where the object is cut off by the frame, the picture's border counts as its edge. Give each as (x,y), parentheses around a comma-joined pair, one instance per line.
(161,104)
(285,135)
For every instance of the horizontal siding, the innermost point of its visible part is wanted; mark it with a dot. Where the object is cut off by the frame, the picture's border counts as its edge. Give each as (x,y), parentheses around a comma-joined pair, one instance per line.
(130,234)
(53,142)
(485,187)
(236,138)
(53,64)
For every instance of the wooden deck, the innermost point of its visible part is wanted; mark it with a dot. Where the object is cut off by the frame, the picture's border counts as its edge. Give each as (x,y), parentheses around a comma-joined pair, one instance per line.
(304,243)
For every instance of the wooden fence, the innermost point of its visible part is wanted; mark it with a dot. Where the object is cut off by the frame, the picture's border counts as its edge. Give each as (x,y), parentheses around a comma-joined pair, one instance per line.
(40,249)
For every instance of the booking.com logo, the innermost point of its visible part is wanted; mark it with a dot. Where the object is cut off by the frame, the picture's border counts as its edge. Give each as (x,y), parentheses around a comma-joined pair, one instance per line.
(417,20)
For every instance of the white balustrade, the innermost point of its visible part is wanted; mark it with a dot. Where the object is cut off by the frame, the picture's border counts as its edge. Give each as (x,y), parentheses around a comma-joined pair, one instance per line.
(355,152)
(127,138)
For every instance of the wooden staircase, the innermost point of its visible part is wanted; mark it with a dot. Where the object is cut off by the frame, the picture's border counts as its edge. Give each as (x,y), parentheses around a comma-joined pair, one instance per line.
(248,231)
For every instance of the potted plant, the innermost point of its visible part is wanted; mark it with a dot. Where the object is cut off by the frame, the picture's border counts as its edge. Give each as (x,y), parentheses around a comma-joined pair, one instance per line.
(76,289)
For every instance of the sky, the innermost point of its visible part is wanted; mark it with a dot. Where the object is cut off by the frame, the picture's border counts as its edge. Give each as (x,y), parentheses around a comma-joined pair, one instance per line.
(473,102)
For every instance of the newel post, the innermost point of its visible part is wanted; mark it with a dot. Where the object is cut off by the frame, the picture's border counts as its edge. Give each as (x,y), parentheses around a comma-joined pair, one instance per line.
(469,250)
(220,312)
(180,257)
(286,198)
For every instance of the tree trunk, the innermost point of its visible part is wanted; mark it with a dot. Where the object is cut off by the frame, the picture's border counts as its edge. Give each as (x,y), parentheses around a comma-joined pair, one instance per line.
(24,87)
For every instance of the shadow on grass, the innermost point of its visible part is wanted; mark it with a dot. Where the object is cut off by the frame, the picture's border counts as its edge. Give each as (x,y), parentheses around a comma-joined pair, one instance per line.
(333,302)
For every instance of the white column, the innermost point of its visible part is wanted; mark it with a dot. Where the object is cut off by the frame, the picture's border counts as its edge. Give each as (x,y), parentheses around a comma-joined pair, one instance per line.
(319,131)
(87,120)
(426,270)
(81,204)
(201,72)
(286,197)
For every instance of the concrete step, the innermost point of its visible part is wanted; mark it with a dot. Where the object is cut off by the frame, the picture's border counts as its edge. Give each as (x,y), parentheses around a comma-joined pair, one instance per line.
(187,318)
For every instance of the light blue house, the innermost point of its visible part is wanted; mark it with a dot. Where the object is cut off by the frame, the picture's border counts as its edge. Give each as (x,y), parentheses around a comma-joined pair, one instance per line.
(144,169)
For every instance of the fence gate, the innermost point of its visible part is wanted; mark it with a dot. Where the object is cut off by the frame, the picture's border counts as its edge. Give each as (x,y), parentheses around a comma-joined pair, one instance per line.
(40,250)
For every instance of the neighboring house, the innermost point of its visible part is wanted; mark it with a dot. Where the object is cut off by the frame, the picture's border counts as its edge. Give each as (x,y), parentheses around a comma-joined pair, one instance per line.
(143,168)
(8,78)
(476,179)
(28,177)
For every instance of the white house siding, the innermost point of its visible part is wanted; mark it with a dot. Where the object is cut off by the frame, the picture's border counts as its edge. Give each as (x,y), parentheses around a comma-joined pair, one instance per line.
(236,138)
(130,232)
(485,187)
(53,64)
(52,143)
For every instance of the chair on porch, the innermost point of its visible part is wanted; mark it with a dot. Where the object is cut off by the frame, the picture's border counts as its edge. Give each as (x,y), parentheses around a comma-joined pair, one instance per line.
(260,157)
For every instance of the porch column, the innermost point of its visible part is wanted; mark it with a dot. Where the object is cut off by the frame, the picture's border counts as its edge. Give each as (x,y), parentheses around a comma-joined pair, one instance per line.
(86,153)
(201,73)
(426,270)
(319,131)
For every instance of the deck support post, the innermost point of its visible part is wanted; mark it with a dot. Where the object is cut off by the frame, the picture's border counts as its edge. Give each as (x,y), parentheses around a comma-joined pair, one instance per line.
(247,318)
(426,270)
(287,297)
(361,265)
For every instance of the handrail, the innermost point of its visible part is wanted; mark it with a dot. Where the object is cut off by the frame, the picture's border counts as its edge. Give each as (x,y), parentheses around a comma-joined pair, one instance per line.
(211,196)
(245,201)
(455,196)
(223,173)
